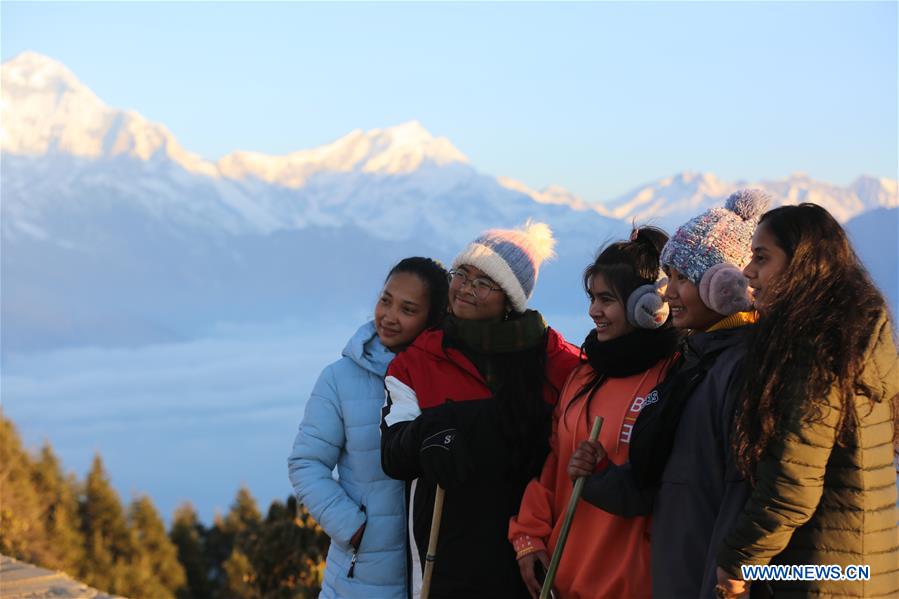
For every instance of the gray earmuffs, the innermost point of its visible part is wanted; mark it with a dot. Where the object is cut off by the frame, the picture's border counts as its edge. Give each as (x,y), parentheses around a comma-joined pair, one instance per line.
(645,307)
(724,289)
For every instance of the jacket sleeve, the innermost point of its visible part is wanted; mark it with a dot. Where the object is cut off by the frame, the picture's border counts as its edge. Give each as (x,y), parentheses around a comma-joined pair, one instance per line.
(789,485)
(400,424)
(535,516)
(561,359)
(614,489)
(317,447)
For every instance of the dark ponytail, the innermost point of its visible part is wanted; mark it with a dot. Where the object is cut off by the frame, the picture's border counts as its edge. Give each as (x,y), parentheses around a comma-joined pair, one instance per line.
(434,276)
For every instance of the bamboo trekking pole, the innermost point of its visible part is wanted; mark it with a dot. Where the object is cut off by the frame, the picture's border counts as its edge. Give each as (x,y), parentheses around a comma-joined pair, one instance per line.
(566,524)
(431,556)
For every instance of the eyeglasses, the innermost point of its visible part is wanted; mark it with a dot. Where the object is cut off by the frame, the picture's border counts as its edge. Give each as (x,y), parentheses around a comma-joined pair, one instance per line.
(481,288)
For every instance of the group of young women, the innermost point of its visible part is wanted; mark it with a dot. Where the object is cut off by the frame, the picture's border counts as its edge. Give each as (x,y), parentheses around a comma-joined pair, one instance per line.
(747,375)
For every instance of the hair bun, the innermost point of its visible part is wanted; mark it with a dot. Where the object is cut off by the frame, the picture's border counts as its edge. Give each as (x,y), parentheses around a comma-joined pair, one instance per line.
(638,235)
(652,239)
(748,204)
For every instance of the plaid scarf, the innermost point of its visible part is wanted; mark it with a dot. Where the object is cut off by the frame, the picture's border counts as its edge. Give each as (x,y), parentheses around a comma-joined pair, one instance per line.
(479,339)
(497,337)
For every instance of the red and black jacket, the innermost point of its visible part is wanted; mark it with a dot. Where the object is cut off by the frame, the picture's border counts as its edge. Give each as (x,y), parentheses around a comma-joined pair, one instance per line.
(428,381)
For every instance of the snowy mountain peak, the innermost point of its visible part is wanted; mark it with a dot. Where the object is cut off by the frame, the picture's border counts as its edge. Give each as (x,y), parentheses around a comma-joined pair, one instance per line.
(886,191)
(45,109)
(689,179)
(394,150)
(671,200)
(403,148)
(34,71)
(685,190)
(409,134)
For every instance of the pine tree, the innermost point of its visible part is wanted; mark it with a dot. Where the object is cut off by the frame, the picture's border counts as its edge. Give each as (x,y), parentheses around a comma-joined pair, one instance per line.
(217,549)
(156,563)
(189,536)
(230,541)
(243,518)
(240,577)
(109,545)
(315,543)
(23,533)
(59,494)
(289,554)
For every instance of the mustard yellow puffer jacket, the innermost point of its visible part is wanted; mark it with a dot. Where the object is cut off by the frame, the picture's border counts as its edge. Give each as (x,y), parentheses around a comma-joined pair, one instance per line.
(816,502)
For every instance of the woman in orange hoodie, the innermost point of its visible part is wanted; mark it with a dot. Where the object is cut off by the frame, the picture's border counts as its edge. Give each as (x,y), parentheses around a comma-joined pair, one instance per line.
(625,356)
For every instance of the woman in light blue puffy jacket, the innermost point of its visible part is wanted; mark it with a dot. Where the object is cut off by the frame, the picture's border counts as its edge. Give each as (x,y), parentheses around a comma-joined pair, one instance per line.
(364,511)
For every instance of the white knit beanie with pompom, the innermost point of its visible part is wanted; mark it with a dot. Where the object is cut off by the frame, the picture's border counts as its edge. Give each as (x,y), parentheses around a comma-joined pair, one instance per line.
(512,258)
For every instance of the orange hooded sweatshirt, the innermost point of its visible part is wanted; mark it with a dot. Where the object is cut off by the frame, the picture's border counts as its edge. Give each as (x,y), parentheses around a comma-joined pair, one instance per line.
(605,556)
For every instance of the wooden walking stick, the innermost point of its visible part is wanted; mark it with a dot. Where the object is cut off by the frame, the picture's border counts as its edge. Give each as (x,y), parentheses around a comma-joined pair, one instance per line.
(431,556)
(566,524)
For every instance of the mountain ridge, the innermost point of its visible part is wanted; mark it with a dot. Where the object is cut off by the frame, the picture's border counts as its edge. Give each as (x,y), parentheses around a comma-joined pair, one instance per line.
(47,110)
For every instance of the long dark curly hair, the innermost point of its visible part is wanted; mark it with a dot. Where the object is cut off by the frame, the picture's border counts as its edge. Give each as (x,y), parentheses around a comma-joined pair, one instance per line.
(812,335)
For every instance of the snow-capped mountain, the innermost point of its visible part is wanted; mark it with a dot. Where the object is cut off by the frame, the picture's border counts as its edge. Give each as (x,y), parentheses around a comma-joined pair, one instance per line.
(395,183)
(46,110)
(394,151)
(672,200)
(113,233)
(49,117)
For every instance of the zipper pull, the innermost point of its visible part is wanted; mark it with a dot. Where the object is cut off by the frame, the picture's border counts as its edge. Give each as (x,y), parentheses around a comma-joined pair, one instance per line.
(355,550)
(352,564)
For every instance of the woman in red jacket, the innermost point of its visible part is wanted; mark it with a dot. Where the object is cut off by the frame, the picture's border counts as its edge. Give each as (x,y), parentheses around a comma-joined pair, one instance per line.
(627,354)
(469,407)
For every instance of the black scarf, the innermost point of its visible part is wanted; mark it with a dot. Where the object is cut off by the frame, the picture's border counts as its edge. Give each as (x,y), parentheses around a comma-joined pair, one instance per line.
(629,354)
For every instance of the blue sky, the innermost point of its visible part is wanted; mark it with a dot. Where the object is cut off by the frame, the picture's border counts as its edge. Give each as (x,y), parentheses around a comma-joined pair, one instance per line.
(597,97)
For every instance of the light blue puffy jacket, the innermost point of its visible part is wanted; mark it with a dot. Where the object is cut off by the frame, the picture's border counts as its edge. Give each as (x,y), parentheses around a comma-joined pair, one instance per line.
(341,427)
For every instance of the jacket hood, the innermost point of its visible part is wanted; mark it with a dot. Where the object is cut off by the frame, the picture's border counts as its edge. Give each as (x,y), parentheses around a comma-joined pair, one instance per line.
(365,349)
